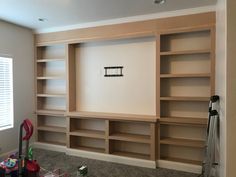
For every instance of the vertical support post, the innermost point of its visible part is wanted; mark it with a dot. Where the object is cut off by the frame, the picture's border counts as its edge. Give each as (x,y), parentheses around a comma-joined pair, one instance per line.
(107,133)
(153,141)
(68,132)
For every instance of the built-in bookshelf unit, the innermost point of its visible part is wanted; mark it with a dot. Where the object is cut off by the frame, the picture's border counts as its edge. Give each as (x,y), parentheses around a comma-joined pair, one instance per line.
(155,111)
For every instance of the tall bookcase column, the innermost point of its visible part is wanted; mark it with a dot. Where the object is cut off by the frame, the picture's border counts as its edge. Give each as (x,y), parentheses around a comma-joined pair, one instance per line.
(158,106)
(187,61)
(51,94)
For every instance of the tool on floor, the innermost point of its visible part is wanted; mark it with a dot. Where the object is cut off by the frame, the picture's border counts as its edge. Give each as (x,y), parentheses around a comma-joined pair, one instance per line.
(209,162)
(82,171)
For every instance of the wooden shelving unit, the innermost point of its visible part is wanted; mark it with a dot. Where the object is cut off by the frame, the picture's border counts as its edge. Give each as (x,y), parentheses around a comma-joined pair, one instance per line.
(156,111)
(186,58)
(51,94)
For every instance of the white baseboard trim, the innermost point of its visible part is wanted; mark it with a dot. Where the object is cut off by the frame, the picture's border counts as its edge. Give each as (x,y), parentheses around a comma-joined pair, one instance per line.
(7,154)
(122,160)
(179,166)
(112,158)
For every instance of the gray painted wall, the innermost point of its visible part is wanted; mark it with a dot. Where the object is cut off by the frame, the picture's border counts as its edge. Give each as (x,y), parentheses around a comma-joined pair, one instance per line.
(19,43)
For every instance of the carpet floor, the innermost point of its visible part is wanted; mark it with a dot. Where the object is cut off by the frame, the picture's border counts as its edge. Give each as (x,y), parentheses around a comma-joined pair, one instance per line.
(50,160)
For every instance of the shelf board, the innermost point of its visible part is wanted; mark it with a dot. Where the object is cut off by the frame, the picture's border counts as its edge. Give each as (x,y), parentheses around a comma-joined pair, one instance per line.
(182,142)
(186,52)
(85,148)
(52,128)
(130,137)
(184,98)
(52,95)
(113,116)
(53,142)
(51,112)
(131,154)
(200,75)
(49,60)
(89,133)
(181,160)
(51,78)
(183,120)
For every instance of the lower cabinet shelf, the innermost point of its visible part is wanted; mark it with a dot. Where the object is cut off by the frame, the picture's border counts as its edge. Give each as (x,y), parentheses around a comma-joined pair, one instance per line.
(182,142)
(182,160)
(89,133)
(87,143)
(131,154)
(53,142)
(130,137)
(92,149)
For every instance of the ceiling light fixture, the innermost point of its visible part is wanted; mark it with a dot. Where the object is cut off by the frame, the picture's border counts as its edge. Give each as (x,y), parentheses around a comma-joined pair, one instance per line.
(159,1)
(42,19)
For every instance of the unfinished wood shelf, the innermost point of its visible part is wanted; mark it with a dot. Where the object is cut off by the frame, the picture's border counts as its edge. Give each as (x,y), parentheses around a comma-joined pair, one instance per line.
(182,142)
(206,75)
(52,128)
(89,133)
(184,98)
(51,112)
(49,60)
(132,155)
(51,78)
(182,160)
(184,121)
(185,52)
(52,95)
(130,137)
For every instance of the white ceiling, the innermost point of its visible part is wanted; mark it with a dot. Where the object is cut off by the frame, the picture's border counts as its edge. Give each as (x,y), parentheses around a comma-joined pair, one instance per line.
(71,12)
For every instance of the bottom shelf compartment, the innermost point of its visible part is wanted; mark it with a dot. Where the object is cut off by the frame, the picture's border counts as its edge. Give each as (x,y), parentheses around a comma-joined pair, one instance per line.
(56,138)
(87,144)
(180,154)
(130,149)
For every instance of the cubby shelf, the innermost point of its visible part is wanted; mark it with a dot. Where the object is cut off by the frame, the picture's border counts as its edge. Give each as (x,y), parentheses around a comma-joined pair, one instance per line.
(51,112)
(89,133)
(181,160)
(51,78)
(52,95)
(49,60)
(185,52)
(182,142)
(52,128)
(131,154)
(113,116)
(200,75)
(184,120)
(53,142)
(184,98)
(130,137)
(85,148)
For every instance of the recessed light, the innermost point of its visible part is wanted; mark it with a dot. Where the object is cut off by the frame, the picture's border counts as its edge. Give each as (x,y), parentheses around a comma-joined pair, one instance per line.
(159,1)
(42,19)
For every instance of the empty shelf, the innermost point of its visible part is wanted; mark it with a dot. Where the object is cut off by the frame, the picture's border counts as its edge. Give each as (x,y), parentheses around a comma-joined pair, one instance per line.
(51,112)
(130,137)
(49,60)
(184,98)
(53,142)
(85,148)
(186,52)
(50,78)
(89,133)
(204,75)
(52,128)
(52,95)
(194,162)
(182,142)
(183,120)
(131,154)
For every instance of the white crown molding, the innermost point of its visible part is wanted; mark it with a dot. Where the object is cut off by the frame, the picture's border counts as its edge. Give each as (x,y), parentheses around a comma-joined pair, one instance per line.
(130,19)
